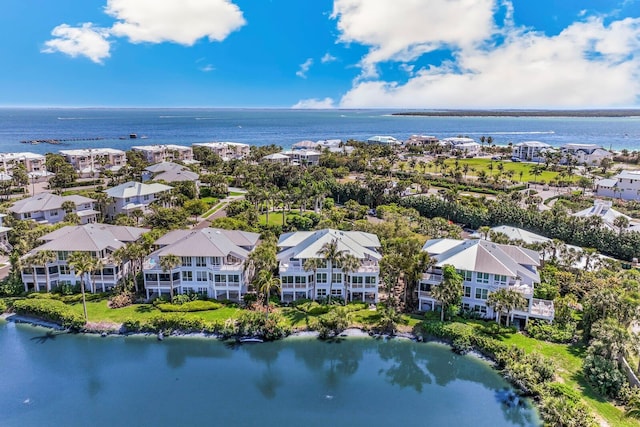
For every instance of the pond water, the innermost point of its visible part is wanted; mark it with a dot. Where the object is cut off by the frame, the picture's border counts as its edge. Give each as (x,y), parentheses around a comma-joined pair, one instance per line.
(53,378)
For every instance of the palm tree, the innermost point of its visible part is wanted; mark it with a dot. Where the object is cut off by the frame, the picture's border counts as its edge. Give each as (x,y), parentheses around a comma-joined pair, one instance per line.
(313,264)
(168,263)
(505,301)
(82,263)
(46,257)
(264,283)
(330,252)
(349,263)
(449,292)
(622,223)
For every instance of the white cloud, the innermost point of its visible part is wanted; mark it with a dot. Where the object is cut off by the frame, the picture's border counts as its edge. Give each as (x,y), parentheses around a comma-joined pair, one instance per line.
(86,40)
(589,64)
(207,68)
(402,30)
(328,58)
(183,22)
(304,68)
(315,103)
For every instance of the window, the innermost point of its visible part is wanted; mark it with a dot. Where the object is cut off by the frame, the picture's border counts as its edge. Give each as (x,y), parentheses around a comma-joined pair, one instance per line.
(286,279)
(425,287)
(54,213)
(64,269)
(203,291)
(467,275)
(370,280)
(357,279)
(215,261)
(147,277)
(480,309)
(336,292)
(201,276)
(499,279)
(219,278)
(481,293)
(467,291)
(201,261)
(234,278)
(466,306)
(482,277)
(301,279)
(146,197)
(321,292)
(62,255)
(321,278)
(186,261)
(337,278)
(187,275)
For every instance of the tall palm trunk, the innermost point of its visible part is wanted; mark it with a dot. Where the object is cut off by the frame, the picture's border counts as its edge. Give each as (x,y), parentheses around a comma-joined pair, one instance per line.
(84,300)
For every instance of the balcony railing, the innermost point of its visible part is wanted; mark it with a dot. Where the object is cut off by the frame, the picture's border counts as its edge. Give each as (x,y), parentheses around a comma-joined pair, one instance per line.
(432,278)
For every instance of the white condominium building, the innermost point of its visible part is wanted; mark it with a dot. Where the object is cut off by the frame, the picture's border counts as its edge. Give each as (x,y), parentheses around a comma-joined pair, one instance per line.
(212,263)
(164,153)
(99,240)
(360,284)
(485,267)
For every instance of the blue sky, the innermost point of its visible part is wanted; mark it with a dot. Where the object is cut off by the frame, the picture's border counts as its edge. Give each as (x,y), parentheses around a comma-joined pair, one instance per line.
(321,53)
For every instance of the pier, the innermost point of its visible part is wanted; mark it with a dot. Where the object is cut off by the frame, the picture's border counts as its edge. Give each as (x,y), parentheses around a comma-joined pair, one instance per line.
(56,141)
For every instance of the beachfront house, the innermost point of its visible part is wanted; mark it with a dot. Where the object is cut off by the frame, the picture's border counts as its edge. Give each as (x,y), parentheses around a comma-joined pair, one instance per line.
(485,267)
(170,172)
(33,163)
(360,284)
(87,162)
(461,145)
(421,140)
(99,240)
(584,154)
(226,150)
(530,151)
(49,208)
(164,153)
(625,185)
(212,263)
(384,140)
(130,196)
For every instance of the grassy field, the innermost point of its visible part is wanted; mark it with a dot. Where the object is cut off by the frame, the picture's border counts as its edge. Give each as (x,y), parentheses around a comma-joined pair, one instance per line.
(275,218)
(516,167)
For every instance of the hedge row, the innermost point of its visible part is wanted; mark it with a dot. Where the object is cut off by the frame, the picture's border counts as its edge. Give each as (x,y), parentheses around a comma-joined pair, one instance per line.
(50,310)
(188,307)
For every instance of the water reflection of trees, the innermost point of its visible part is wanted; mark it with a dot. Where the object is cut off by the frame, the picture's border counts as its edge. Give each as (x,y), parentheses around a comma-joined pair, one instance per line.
(404,371)
(270,380)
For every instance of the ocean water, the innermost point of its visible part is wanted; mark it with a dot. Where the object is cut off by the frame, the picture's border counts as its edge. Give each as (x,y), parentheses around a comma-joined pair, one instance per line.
(286,127)
(53,379)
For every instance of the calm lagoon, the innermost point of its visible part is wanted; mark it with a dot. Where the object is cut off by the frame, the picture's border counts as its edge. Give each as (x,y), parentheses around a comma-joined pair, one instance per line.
(51,378)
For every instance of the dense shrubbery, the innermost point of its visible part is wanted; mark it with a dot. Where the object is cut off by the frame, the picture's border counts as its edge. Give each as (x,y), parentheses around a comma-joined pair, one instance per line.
(332,323)
(560,405)
(3,306)
(121,300)
(190,306)
(50,310)
(604,375)
(545,331)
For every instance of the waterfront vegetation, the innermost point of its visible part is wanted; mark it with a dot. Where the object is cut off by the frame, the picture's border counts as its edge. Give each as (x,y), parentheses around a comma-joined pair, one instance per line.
(571,367)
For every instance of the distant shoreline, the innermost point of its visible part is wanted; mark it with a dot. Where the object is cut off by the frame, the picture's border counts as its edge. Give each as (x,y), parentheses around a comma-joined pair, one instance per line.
(522,113)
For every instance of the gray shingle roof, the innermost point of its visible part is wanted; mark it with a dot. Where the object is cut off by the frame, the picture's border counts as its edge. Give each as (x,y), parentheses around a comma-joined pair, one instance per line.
(45,202)
(90,237)
(133,189)
(307,244)
(207,242)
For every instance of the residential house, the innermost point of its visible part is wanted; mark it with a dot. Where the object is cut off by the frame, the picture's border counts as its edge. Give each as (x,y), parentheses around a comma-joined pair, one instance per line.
(305,145)
(530,151)
(130,196)
(485,267)
(462,145)
(165,153)
(212,263)
(625,185)
(421,140)
(99,240)
(87,162)
(170,172)
(584,154)
(277,158)
(303,157)
(384,140)
(226,150)
(298,247)
(5,246)
(603,209)
(47,208)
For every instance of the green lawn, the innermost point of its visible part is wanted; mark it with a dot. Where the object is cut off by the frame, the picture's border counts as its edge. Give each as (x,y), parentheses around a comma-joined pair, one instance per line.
(237,193)
(516,167)
(275,218)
